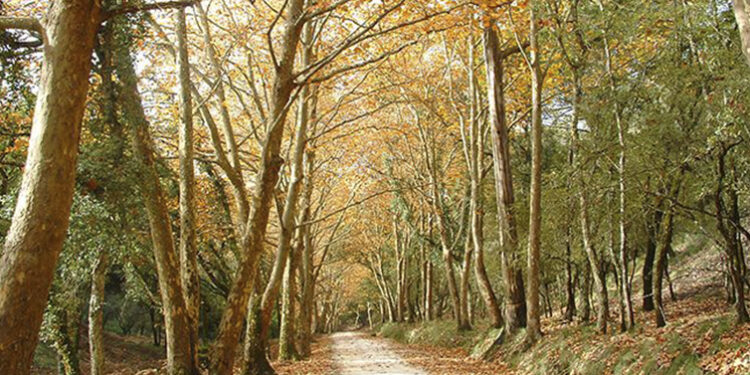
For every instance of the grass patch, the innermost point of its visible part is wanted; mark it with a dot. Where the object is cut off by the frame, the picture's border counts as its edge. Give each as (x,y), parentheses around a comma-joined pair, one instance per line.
(439,333)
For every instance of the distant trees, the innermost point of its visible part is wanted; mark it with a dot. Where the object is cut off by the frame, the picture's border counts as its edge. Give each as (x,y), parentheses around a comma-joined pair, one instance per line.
(622,212)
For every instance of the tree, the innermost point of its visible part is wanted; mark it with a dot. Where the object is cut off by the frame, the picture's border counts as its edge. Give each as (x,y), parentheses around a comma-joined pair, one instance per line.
(181,355)
(742,16)
(188,248)
(40,221)
(255,232)
(533,328)
(515,306)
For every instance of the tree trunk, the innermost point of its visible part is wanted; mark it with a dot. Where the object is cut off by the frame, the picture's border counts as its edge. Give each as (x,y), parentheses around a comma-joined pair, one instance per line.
(728,220)
(40,220)
(96,324)
(742,16)
(585,293)
(66,326)
(616,273)
(188,249)
(738,266)
(423,260)
(255,359)
(665,241)
(428,298)
(515,305)
(664,244)
(533,328)
(598,275)
(483,281)
(652,231)
(623,250)
(180,347)
(270,295)
(570,293)
(307,272)
(465,277)
(594,263)
(399,254)
(253,241)
(369,315)
(287,350)
(450,274)
(233,161)
(570,306)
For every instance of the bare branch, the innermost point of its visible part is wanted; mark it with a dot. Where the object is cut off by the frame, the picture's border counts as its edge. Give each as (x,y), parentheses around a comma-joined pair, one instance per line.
(367,33)
(327,9)
(361,64)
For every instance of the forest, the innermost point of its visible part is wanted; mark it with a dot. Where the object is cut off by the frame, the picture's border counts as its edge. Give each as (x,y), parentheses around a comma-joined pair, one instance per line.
(420,187)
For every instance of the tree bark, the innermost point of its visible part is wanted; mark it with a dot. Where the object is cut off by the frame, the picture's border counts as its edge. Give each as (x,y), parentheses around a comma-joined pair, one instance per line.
(585,293)
(188,248)
(96,315)
(287,348)
(270,295)
(230,327)
(533,328)
(652,231)
(41,217)
(477,233)
(233,160)
(728,220)
(66,336)
(665,241)
(400,258)
(255,359)
(742,16)
(429,307)
(307,272)
(448,264)
(594,262)
(623,249)
(423,260)
(515,305)
(180,347)
(438,209)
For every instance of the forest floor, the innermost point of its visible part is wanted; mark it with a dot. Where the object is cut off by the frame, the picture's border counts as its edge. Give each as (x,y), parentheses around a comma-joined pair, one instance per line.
(701,337)
(136,355)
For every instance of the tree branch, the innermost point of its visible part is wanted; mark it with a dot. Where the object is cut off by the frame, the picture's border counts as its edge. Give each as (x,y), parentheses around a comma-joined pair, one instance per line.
(22,23)
(357,65)
(146,7)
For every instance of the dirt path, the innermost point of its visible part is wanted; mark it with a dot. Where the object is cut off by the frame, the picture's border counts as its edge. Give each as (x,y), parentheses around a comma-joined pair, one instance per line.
(356,353)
